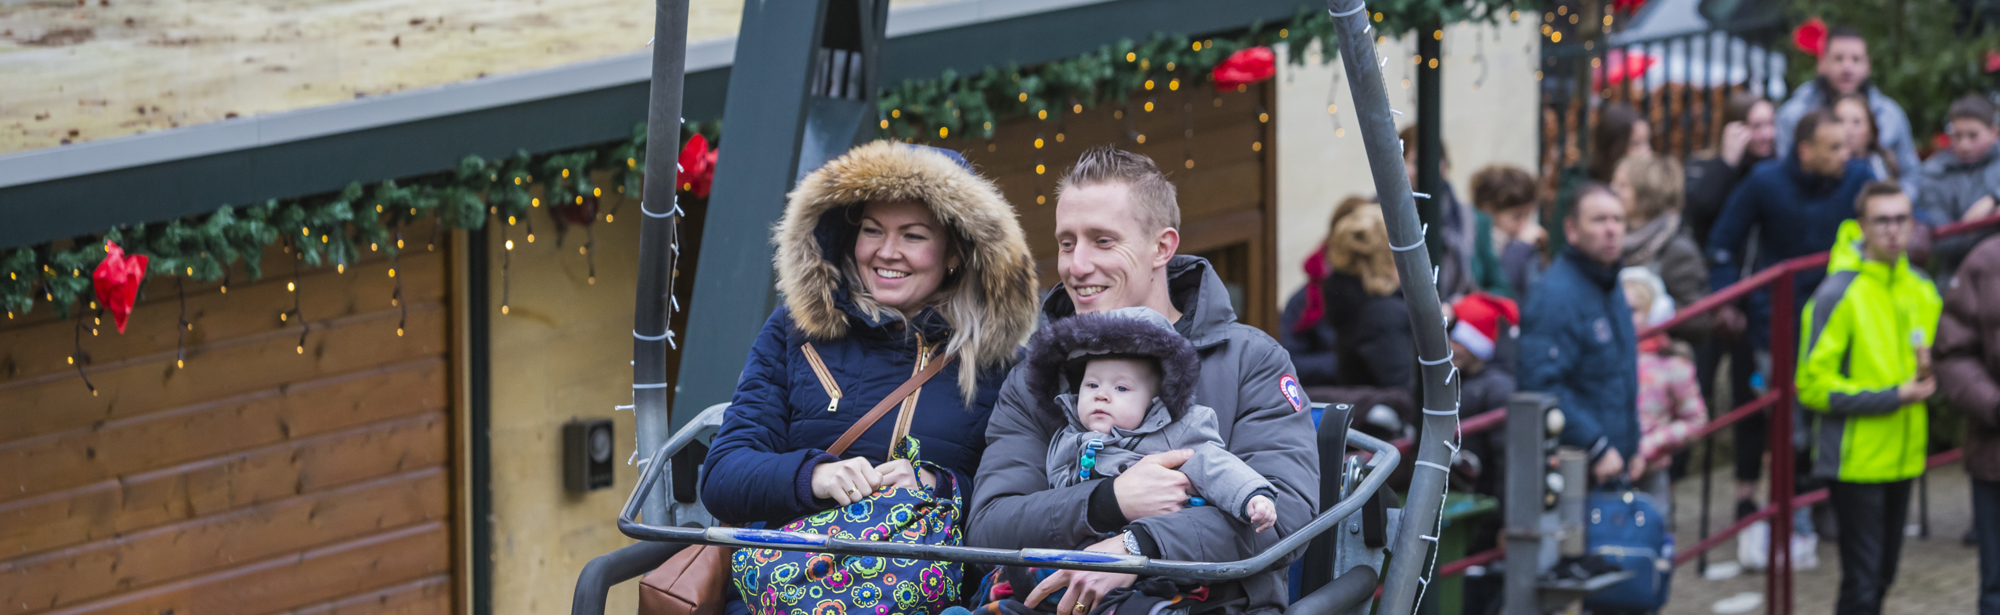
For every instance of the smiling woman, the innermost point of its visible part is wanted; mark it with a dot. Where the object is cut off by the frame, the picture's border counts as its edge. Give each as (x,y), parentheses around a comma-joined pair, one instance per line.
(902,255)
(893,259)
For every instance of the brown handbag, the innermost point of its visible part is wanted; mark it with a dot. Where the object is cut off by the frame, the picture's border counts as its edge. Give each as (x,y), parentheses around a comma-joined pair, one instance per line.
(691,582)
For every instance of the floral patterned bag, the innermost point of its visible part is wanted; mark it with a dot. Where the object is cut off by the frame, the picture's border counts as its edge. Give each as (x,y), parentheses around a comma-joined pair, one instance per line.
(773,581)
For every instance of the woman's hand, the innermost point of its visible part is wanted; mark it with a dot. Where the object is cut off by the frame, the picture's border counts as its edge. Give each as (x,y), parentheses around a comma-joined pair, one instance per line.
(899,474)
(1735,139)
(845,481)
(1085,588)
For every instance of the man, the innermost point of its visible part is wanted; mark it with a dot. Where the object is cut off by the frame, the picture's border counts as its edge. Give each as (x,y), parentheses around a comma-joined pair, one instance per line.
(1844,69)
(1960,183)
(1796,204)
(1864,372)
(1577,341)
(1968,373)
(1117,230)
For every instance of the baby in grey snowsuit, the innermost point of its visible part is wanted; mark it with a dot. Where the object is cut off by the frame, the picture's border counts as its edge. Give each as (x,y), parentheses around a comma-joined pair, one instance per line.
(1125,381)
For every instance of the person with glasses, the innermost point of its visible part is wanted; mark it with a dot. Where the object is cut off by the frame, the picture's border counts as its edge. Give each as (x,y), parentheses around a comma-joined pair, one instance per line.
(1864,372)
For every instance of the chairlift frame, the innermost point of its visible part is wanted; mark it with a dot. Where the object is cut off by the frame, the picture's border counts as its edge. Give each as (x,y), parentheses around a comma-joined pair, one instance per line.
(820,130)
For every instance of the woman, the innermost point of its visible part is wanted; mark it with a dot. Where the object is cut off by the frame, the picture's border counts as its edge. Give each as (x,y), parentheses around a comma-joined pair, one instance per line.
(890,257)
(1749,136)
(1852,109)
(1364,301)
(1620,133)
(1651,188)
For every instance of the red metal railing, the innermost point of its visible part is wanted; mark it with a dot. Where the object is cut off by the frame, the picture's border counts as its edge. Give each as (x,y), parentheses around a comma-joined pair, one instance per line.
(1779,401)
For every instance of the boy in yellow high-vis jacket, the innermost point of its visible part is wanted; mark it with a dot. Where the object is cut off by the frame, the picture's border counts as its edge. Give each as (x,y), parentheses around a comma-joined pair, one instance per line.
(1864,372)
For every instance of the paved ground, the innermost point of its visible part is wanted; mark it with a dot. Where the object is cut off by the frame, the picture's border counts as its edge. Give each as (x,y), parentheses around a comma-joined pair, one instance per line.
(1938,575)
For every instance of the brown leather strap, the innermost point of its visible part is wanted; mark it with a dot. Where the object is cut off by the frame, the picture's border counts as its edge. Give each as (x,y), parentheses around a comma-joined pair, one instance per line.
(896,397)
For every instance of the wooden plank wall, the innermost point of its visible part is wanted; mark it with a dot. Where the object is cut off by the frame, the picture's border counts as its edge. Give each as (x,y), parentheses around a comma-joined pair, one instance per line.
(1227,199)
(260,478)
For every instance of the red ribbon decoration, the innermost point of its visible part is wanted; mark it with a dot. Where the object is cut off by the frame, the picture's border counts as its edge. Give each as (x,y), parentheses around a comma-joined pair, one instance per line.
(1992,60)
(697,162)
(1621,67)
(1244,68)
(1627,6)
(117,282)
(1810,37)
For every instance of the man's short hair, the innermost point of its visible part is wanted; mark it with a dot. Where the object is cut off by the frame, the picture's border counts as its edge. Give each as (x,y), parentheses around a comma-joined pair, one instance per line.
(1583,192)
(1808,127)
(1844,31)
(1152,196)
(1873,190)
(1972,107)
(1409,136)
(1501,187)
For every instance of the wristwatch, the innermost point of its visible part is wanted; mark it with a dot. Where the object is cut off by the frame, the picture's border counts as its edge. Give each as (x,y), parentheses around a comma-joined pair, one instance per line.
(1131,543)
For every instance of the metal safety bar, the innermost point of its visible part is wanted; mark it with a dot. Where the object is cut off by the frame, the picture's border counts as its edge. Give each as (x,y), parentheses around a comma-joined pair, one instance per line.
(1385,459)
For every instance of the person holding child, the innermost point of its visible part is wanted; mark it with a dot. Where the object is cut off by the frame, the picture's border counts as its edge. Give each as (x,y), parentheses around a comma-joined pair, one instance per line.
(1116,229)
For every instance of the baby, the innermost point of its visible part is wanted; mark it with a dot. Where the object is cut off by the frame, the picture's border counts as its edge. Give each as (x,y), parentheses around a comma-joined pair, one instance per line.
(1124,381)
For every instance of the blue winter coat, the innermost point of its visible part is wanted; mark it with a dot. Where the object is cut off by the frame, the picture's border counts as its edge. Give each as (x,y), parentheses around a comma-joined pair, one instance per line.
(778,426)
(1577,344)
(1794,214)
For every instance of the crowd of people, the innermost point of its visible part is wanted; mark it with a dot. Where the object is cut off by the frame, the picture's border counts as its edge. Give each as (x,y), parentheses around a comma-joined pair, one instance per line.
(1143,419)
(1629,237)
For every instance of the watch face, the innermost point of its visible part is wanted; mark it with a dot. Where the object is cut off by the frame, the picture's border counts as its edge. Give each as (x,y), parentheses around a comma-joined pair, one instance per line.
(600,445)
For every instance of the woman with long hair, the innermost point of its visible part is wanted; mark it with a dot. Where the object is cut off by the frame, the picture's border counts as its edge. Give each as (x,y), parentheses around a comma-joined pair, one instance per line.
(891,259)
(1620,133)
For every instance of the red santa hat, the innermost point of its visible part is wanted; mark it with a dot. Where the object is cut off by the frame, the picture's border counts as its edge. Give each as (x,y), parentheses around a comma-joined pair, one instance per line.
(1479,321)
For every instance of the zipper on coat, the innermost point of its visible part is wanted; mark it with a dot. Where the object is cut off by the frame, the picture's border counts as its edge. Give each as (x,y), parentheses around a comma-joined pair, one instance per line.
(908,411)
(825,378)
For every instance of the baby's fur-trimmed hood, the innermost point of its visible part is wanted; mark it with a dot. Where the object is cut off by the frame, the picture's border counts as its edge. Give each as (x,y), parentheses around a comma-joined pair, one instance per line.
(1055,350)
(989,303)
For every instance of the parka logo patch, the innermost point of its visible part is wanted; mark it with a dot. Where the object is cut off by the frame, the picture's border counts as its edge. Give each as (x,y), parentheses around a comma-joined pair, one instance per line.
(1293,392)
(1603,328)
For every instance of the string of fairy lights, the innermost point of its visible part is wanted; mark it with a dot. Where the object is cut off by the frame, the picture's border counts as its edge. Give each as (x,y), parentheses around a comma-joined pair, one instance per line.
(1136,78)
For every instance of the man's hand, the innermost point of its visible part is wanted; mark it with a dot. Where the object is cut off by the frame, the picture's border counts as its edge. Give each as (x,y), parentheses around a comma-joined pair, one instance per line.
(1085,588)
(1263,513)
(1730,322)
(845,481)
(1152,486)
(1923,360)
(1980,209)
(1735,139)
(898,473)
(1916,390)
(1637,468)
(1608,466)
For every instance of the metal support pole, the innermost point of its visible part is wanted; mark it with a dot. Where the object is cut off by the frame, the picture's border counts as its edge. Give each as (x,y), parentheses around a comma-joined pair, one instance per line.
(1430,138)
(650,319)
(1784,328)
(1526,472)
(1418,533)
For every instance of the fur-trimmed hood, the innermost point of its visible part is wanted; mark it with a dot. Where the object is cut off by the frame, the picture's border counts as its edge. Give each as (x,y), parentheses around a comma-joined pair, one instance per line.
(1054,365)
(987,307)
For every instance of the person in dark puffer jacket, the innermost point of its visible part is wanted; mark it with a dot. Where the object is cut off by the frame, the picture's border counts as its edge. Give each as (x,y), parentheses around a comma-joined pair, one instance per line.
(889,257)
(1577,341)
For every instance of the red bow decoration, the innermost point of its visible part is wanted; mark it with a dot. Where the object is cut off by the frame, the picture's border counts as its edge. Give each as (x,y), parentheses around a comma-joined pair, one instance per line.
(1992,60)
(697,162)
(117,281)
(582,212)
(1940,141)
(1627,6)
(1620,66)
(1245,67)
(1810,37)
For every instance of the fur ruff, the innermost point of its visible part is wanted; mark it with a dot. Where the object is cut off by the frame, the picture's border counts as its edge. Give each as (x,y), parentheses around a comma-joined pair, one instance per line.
(1358,245)
(1109,334)
(996,268)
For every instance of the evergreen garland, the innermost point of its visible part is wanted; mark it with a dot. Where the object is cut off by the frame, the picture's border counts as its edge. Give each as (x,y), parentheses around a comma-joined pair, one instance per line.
(328,229)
